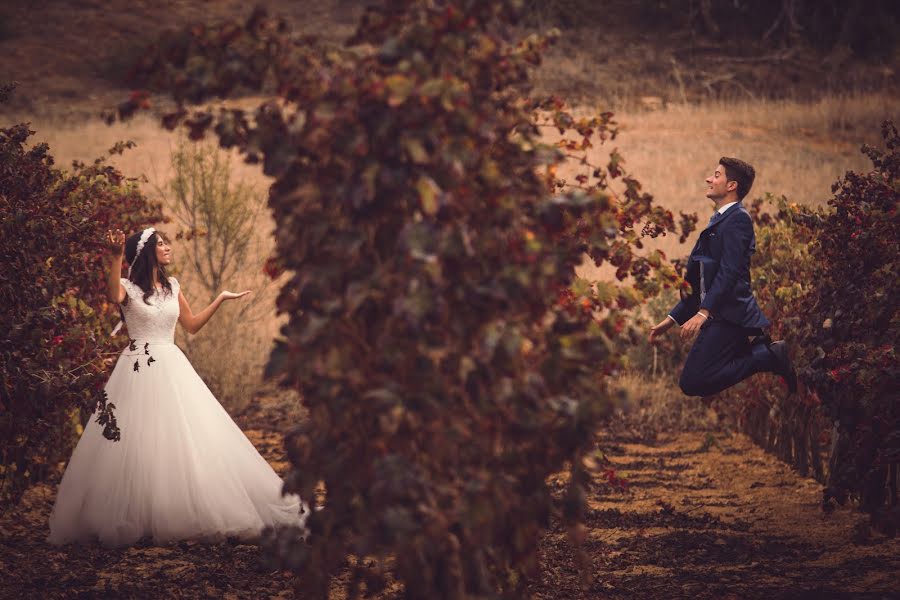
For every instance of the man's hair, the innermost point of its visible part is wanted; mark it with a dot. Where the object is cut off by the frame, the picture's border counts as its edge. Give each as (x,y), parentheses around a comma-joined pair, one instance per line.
(739,171)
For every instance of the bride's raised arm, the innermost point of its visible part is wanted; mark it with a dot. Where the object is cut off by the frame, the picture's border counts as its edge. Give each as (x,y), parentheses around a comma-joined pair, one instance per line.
(193,323)
(114,290)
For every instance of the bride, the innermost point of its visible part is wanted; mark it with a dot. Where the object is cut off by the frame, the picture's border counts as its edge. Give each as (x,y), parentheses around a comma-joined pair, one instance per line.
(182,468)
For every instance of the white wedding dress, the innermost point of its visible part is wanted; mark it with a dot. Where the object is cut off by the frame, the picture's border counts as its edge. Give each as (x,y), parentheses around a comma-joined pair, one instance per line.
(182,469)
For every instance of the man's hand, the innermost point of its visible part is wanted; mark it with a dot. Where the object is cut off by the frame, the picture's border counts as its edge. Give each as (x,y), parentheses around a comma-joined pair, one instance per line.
(660,328)
(693,325)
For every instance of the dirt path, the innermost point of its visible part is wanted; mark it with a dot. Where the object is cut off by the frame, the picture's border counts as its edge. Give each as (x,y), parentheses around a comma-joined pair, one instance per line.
(715,517)
(700,520)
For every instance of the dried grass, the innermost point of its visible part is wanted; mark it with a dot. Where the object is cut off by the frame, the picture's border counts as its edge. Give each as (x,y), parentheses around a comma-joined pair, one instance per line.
(798,149)
(650,406)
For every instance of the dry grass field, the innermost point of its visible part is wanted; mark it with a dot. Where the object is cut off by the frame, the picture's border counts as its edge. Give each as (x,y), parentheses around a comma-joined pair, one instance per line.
(799,150)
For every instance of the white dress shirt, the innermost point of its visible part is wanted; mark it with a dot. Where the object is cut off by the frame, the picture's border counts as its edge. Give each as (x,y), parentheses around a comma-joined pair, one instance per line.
(726,207)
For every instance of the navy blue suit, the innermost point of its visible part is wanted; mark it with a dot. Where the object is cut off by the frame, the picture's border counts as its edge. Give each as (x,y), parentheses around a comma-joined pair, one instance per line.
(719,273)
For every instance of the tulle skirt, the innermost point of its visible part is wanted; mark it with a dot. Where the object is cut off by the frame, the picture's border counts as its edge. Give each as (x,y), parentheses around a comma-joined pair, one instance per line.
(182,469)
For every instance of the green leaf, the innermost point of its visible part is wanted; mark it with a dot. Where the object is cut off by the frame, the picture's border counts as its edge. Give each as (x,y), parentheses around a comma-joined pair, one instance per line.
(432,88)
(581,287)
(399,87)
(429,193)
(606,292)
(415,150)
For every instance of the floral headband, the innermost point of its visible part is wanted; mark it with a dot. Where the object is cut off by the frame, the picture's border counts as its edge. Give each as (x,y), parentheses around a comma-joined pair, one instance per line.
(145,235)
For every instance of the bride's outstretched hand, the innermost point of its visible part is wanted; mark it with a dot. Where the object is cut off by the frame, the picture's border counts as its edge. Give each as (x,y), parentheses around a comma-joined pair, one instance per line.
(226,295)
(115,241)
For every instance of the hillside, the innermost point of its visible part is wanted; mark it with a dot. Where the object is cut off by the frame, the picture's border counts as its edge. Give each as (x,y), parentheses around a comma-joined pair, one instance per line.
(71,58)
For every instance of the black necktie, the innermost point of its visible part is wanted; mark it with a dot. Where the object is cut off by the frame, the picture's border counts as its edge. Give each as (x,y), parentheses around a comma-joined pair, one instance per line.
(713,218)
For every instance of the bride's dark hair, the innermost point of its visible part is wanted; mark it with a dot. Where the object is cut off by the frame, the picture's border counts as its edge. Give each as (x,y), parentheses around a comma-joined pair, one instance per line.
(142,272)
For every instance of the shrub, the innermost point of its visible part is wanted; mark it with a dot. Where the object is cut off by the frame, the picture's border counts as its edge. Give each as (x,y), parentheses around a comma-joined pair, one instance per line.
(54,318)
(449,359)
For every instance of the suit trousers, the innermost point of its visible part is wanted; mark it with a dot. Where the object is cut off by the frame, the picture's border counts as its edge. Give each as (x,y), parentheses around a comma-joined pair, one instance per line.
(721,357)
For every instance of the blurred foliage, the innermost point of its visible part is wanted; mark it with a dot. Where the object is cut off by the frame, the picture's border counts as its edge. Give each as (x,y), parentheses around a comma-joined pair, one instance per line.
(54,319)
(6,31)
(868,29)
(448,356)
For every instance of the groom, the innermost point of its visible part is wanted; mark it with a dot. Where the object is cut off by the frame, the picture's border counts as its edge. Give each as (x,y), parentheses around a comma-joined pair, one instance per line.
(721,306)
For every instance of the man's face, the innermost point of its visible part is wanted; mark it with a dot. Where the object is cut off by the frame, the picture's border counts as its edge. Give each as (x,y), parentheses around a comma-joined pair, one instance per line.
(718,185)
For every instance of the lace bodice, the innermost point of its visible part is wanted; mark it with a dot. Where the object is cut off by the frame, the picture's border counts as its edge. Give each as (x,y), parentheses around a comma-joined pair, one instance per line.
(154,322)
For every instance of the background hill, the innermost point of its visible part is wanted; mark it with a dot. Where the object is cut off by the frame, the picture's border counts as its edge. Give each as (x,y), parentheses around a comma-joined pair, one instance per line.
(71,56)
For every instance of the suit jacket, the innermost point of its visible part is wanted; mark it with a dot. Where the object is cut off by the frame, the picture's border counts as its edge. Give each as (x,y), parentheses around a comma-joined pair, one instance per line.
(719,272)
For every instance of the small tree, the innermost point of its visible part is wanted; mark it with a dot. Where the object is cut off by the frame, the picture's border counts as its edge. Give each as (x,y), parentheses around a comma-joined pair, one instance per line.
(220,217)
(222,247)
